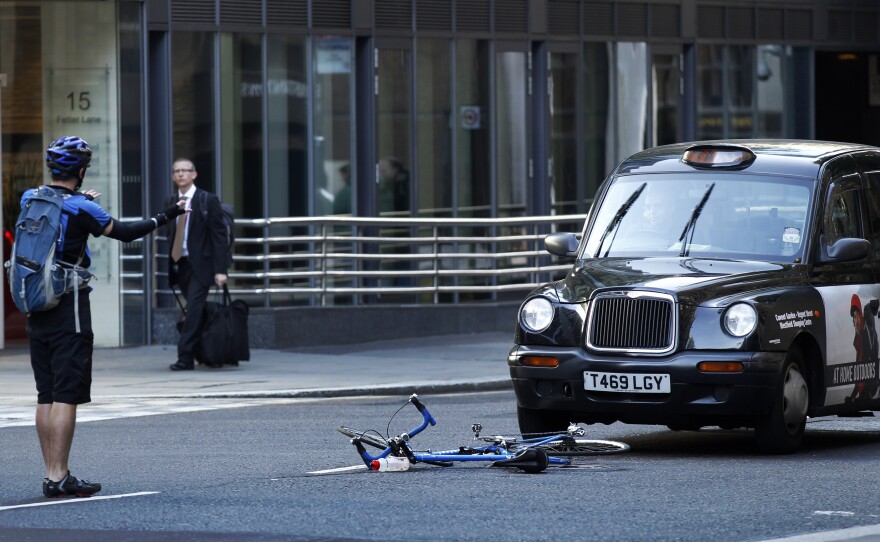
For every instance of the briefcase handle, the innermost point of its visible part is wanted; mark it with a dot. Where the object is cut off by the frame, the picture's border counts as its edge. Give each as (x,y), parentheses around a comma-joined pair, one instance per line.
(223,298)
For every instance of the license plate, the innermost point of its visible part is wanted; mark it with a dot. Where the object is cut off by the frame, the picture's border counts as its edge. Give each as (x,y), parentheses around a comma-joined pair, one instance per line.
(626,382)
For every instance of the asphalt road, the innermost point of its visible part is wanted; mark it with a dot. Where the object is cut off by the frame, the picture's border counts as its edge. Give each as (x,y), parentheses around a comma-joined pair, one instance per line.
(241,474)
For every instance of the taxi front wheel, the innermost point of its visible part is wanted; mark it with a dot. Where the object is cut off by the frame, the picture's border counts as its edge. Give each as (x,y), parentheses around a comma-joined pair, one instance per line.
(782,430)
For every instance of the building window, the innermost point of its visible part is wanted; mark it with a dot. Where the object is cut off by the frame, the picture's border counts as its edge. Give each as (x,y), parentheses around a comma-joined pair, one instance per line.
(632,98)
(745,91)
(332,124)
(710,92)
(740,96)
(472,127)
(433,125)
(770,106)
(287,126)
(512,128)
(394,130)
(192,94)
(598,129)
(241,122)
(666,76)
(563,133)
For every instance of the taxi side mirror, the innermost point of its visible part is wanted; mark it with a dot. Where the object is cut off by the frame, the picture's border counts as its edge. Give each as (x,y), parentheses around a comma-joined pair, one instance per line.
(562,244)
(846,249)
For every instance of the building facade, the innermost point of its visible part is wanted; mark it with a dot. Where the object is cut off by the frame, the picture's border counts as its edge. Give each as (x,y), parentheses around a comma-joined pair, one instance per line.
(405,108)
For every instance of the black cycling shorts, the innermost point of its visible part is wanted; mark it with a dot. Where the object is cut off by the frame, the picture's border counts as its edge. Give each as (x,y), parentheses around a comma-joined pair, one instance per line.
(61,357)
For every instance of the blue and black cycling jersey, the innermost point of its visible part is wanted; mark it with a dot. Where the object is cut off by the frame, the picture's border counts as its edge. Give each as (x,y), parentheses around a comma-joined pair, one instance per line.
(80,217)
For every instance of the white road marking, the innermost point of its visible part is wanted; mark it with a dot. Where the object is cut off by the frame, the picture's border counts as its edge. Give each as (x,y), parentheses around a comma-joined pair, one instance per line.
(339,469)
(852,533)
(843,513)
(21,414)
(69,500)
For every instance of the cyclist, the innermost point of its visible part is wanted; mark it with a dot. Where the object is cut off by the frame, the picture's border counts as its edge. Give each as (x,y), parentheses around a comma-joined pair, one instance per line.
(61,357)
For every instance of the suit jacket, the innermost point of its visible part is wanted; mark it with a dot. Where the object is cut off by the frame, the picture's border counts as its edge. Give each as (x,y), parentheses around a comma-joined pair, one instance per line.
(206,242)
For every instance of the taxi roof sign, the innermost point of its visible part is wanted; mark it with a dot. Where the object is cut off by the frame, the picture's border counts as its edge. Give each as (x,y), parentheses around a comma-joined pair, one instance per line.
(718,156)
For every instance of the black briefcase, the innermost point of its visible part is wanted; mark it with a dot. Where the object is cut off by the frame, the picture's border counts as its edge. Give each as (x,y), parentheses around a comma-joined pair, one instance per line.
(224,338)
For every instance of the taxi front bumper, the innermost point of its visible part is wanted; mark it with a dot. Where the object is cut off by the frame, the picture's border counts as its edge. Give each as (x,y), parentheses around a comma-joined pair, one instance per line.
(695,397)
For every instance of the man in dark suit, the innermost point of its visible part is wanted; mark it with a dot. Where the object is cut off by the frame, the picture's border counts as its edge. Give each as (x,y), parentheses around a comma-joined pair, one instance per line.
(196,256)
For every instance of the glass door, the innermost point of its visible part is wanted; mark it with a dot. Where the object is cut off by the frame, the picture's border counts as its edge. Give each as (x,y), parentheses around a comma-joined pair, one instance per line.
(513,165)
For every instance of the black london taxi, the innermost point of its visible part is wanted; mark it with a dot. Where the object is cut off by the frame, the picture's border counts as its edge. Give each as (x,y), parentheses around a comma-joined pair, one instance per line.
(718,283)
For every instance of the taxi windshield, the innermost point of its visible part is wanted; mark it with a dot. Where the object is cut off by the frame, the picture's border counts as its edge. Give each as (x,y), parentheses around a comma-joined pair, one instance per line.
(719,215)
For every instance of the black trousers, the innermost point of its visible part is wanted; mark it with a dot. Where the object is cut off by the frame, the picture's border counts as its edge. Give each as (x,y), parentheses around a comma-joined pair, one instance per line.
(196,294)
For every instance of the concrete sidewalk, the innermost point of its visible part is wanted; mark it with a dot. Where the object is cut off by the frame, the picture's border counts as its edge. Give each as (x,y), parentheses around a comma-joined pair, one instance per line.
(428,365)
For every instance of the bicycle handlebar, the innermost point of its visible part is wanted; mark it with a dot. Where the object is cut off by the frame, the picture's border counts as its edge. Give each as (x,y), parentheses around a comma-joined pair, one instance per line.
(400,444)
(414,399)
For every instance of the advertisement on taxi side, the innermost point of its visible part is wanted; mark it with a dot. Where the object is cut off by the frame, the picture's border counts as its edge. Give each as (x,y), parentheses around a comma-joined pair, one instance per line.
(852,373)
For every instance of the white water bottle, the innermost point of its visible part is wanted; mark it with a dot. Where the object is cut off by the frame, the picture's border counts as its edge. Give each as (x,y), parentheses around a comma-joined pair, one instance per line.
(389,464)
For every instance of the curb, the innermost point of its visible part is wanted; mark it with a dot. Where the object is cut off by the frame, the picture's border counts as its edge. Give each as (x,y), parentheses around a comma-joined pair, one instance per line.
(318,393)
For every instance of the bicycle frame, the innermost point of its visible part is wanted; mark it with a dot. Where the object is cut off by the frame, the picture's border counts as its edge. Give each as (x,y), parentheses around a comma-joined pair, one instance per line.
(399,446)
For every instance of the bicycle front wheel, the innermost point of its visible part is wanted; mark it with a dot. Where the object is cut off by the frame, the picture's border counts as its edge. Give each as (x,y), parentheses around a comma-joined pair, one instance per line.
(368,438)
(576,446)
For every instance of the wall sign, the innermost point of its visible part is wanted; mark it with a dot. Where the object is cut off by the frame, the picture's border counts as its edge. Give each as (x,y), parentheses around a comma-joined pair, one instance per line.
(470,117)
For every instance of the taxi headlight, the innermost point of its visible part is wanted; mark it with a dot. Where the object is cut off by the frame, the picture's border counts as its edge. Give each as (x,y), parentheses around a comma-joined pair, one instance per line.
(740,319)
(536,314)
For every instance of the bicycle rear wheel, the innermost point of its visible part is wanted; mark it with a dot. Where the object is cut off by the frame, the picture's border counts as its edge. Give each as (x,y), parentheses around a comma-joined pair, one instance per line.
(368,438)
(577,446)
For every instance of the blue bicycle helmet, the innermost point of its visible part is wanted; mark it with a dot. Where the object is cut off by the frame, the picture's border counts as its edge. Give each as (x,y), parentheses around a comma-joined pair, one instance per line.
(67,155)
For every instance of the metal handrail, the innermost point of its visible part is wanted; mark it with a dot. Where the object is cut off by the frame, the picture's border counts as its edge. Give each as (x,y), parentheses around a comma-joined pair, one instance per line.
(284,261)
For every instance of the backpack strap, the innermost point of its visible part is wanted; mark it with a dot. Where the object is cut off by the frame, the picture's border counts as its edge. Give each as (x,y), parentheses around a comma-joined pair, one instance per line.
(72,275)
(76,304)
(82,253)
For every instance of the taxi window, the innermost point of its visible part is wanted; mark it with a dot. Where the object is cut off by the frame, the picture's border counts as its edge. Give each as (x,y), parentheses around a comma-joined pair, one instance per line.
(873,200)
(718,215)
(842,217)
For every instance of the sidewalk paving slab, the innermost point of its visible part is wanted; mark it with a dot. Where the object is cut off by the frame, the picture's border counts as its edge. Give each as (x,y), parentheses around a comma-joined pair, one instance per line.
(437,364)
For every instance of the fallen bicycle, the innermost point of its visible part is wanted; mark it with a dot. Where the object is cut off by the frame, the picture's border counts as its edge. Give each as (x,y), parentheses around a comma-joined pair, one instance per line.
(531,455)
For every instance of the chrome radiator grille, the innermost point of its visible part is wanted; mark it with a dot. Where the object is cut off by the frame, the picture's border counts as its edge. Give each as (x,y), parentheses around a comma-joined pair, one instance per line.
(641,322)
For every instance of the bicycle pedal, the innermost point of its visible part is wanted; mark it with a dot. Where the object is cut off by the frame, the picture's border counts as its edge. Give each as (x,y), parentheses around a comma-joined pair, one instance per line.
(476,428)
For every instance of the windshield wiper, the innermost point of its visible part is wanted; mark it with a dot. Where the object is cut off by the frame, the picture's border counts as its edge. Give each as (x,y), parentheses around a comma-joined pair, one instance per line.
(618,216)
(689,227)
